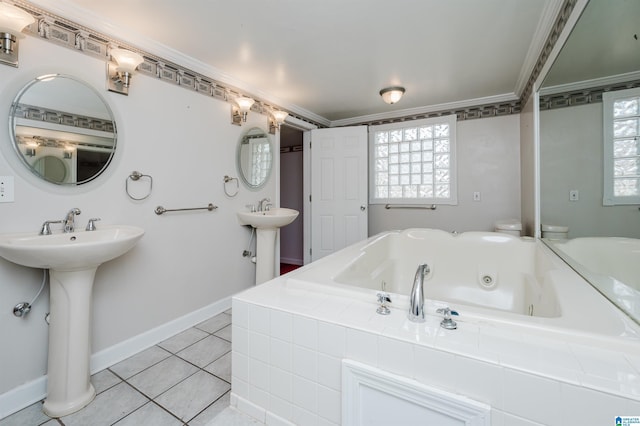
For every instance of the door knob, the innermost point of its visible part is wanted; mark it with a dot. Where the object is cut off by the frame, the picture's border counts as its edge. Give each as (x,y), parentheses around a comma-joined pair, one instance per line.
(363,208)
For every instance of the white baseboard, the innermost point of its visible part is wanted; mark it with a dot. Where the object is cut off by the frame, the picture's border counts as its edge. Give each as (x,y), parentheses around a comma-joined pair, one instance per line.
(24,395)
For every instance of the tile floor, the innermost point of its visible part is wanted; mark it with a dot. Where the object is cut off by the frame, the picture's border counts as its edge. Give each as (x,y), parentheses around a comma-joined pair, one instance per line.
(184,380)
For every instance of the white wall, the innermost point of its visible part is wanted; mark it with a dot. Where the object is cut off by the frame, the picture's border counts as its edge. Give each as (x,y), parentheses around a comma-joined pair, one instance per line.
(489,162)
(529,166)
(571,158)
(184,262)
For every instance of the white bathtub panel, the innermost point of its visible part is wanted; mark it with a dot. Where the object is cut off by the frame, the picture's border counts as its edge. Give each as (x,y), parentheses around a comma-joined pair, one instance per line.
(280,412)
(281,354)
(281,384)
(305,363)
(305,394)
(395,356)
(305,332)
(281,325)
(362,346)
(543,403)
(329,404)
(329,373)
(332,339)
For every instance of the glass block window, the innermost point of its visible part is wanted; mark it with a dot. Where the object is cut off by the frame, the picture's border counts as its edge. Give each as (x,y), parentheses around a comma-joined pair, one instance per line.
(413,162)
(260,161)
(621,147)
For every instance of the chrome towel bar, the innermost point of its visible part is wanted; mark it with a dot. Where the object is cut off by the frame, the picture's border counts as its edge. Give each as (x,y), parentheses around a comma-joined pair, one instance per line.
(409,206)
(159,210)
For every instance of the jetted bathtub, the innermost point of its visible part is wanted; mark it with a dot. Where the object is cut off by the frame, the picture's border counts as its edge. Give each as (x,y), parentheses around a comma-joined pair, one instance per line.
(484,276)
(611,264)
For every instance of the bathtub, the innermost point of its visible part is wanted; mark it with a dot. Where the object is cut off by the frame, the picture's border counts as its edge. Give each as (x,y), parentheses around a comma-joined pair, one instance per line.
(610,264)
(486,277)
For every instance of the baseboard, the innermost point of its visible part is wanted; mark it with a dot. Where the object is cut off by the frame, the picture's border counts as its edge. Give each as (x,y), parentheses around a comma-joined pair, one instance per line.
(24,395)
(291,261)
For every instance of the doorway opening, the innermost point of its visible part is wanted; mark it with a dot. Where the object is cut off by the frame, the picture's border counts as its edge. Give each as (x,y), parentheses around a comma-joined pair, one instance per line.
(291,196)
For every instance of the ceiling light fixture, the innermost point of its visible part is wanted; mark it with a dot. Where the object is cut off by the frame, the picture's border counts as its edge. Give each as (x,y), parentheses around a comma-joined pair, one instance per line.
(393,94)
(12,22)
(241,109)
(119,74)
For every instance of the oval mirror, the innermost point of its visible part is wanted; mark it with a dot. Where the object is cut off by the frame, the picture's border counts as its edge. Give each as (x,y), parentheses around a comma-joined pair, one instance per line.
(62,129)
(254,157)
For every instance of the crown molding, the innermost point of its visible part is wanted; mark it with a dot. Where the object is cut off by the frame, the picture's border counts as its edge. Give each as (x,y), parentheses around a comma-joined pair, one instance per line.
(591,84)
(545,24)
(143,44)
(431,110)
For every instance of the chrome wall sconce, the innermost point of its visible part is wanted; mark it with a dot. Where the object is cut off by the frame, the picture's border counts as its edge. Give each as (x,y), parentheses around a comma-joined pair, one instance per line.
(393,94)
(119,73)
(12,21)
(276,119)
(68,152)
(30,151)
(240,110)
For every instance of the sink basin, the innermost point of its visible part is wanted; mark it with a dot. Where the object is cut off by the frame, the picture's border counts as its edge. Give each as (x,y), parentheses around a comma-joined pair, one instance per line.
(72,260)
(274,218)
(69,252)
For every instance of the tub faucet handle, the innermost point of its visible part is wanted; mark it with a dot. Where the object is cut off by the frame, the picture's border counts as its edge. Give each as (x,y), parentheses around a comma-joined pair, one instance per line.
(383,299)
(447,322)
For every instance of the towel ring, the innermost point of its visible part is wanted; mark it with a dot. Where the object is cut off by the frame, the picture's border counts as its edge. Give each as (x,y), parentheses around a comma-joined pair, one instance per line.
(134,177)
(228,179)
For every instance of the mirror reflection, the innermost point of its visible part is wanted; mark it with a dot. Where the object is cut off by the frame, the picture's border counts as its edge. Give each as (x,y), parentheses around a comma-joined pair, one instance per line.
(584,150)
(62,130)
(255,157)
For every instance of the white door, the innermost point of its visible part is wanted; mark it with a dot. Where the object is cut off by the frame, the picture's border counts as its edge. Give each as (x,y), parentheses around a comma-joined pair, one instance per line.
(338,189)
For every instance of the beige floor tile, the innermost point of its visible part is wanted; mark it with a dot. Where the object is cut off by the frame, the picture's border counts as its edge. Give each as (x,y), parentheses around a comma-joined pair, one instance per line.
(205,351)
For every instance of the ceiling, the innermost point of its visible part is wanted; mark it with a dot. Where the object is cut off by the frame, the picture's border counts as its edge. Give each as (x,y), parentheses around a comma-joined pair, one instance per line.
(328,59)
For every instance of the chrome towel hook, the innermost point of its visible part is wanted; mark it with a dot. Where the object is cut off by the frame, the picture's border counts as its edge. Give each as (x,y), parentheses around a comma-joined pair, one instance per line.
(134,177)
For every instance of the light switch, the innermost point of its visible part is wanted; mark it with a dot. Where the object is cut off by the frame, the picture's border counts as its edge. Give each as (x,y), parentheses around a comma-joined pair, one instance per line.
(6,189)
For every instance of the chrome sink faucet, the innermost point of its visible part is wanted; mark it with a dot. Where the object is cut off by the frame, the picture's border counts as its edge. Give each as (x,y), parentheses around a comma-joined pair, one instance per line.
(69,220)
(416,298)
(261,204)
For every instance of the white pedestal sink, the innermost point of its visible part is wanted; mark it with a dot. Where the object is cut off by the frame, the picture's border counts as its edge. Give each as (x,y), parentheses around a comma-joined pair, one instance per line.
(266,224)
(72,260)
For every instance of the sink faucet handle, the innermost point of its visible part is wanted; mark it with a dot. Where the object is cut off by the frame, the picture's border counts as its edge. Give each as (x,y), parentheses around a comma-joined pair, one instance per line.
(46,228)
(91,225)
(251,207)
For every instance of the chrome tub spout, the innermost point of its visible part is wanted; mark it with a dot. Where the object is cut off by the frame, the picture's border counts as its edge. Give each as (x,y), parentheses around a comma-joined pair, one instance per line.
(416,298)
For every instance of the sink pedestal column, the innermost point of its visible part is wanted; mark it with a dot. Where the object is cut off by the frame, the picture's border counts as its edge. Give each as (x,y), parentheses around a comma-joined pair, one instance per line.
(265,254)
(68,379)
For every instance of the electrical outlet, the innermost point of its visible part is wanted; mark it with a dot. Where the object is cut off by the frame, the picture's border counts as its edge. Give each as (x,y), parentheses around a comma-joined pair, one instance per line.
(6,189)
(476,196)
(574,195)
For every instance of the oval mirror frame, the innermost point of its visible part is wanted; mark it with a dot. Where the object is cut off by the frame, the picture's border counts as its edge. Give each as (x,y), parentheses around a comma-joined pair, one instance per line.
(63,117)
(254,158)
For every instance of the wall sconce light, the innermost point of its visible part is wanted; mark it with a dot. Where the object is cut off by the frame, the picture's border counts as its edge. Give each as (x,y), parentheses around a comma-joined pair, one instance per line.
(119,74)
(68,152)
(277,118)
(391,95)
(30,150)
(12,22)
(240,110)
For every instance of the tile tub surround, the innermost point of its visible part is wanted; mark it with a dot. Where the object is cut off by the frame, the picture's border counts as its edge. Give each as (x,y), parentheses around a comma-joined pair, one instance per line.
(288,343)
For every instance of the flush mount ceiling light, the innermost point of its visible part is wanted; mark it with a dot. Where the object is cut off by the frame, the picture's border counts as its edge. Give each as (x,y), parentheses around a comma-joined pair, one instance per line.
(119,74)
(391,95)
(12,22)
(240,110)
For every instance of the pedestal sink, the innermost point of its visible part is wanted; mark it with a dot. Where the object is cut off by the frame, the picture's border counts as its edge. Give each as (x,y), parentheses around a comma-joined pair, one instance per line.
(266,224)
(72,260)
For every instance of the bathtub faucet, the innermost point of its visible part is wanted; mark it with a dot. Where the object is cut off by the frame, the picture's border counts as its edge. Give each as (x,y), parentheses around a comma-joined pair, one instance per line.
(416,298)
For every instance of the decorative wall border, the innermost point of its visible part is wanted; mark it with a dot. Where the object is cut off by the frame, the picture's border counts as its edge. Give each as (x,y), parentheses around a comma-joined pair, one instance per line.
(582,97)
(36,113)
(85,40)
(74,36)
